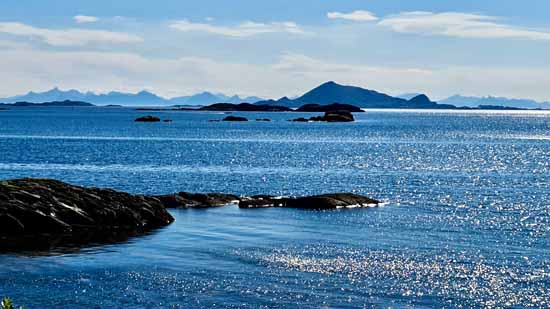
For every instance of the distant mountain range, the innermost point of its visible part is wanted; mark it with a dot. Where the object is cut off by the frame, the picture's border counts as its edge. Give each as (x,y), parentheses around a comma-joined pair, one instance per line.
(327,93)
(143,98)
(332,92)
(458,100)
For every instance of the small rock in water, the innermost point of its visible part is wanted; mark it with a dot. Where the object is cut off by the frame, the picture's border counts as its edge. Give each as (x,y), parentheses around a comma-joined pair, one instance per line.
(197,200)
(148,119)
(234,118)
(317,202)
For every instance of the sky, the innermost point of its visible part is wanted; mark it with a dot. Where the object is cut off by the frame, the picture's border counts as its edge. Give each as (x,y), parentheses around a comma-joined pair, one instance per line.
(277,48)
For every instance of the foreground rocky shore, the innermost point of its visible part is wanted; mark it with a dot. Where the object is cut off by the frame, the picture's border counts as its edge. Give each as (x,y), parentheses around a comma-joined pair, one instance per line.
(46,213)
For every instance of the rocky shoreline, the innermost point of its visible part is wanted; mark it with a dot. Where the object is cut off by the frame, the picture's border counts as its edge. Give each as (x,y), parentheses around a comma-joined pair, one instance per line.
(47,213)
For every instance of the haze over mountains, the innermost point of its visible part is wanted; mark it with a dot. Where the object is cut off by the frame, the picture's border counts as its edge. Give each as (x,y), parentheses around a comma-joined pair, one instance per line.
(143,98)
(459,101)
(327,93)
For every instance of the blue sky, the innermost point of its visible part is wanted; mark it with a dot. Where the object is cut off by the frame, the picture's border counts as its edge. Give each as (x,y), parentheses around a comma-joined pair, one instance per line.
(276,48)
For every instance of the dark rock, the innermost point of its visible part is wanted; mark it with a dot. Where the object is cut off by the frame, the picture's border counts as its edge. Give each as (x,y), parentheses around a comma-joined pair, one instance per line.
(330,108)
(43,206)
(338,116)
(317,202)
(263,119)
(167,120)
(334,116)
(148,119)
(301,119)
(197,200)
(331,201)
(234,118)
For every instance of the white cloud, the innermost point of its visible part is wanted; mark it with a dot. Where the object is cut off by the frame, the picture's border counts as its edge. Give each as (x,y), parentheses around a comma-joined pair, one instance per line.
(245,29)
(292,74)
(354,16)
(68,37)
(459,25)
(82,19)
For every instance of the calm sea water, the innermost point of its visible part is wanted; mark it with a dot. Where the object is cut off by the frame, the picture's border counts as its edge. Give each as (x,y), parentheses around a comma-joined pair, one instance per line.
(467,220)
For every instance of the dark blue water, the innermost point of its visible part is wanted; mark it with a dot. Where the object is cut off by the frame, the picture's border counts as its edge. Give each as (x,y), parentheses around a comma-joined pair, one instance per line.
(467,220)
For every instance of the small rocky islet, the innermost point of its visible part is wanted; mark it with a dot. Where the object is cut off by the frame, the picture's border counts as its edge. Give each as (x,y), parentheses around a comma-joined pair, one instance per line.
(331,116)
(335,112)
(41,214)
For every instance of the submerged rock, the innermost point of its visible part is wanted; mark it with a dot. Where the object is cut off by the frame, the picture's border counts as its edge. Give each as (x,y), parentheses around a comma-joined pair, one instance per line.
(263,119)
(31,207)
(234,118)
(148,119)
(197,200)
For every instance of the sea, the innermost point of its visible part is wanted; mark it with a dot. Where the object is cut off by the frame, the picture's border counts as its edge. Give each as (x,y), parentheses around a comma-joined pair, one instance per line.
(465,220)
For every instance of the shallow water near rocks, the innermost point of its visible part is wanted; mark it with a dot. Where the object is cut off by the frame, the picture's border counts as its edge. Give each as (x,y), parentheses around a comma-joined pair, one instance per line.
(467,219)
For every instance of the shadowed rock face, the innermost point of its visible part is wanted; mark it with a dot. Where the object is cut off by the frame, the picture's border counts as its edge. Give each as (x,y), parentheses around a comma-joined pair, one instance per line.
(191,200)
(42,206)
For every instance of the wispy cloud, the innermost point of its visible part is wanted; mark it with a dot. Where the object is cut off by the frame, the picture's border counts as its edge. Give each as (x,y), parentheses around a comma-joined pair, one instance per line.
(82,19)
(291,74)
(245,29)
(68,37)
(461,25)
(354,16)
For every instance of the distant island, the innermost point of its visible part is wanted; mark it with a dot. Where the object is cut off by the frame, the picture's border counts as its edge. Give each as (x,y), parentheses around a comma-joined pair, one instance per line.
(66,103)
(463,101)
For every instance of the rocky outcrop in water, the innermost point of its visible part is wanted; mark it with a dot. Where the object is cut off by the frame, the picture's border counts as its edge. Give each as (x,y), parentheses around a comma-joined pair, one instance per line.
(148,119)
(30,207)
(334,116)
(316,202)
(197,200)
(234,118)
